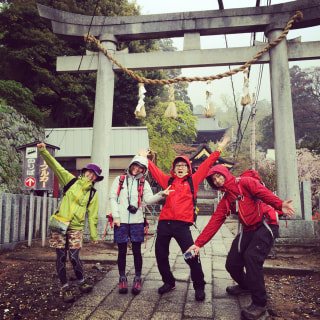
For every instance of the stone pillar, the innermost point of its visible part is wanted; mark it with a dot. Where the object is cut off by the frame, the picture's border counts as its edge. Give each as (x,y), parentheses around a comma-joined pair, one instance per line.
(102,124)
(306,203)
(285,148)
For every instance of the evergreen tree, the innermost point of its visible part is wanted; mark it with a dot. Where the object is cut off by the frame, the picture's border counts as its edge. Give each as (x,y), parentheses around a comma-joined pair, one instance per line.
(305,90)
(29,49)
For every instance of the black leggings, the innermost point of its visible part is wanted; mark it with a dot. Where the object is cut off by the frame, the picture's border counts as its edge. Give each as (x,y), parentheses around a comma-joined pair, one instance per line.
(61,264)
(122,255)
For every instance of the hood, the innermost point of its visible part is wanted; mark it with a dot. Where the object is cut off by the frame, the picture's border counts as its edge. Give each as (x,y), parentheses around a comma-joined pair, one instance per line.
(229,183)
(181,158)
(142,162)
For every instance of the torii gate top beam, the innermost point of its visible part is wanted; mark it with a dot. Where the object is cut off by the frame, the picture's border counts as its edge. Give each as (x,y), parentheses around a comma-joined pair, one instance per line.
(157,26)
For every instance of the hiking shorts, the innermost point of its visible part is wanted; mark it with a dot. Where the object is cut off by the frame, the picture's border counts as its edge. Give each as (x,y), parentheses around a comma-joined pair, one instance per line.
(71,240)
(133,231)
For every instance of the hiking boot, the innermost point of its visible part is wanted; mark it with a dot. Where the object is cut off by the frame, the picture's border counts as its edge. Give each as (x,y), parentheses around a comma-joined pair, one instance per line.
(200,295)
(136,286)
(85,288)
(237,290)
(253,312)
(166,288)
(123,284)
(67,295)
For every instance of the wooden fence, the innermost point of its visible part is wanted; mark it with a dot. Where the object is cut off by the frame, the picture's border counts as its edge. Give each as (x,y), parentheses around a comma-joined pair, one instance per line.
(24,218)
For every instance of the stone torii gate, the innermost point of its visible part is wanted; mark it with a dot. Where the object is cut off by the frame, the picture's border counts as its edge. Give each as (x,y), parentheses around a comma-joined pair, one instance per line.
(191,25)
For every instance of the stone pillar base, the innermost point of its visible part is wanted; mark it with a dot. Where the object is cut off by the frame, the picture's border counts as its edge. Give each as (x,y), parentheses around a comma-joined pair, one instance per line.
(299,232)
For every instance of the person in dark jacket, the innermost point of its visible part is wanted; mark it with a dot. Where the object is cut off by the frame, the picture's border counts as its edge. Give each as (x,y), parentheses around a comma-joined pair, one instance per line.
(74,206)
(177,215)
(257,208)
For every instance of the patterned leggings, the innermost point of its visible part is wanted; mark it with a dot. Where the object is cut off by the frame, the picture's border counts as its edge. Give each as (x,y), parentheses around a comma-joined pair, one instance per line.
(61,264)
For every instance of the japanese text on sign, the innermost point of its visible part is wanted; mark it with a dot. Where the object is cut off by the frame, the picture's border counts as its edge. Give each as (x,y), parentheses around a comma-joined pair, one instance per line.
(44,174)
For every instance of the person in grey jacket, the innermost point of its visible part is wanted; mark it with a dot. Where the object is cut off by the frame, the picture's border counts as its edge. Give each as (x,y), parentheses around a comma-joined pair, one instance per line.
(127,198)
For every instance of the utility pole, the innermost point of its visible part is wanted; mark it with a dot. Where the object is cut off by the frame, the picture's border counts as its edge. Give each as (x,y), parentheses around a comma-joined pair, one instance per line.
(253,132)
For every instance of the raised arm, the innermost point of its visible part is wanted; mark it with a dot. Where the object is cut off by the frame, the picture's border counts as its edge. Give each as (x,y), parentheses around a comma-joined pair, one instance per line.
(156,173)
(223,142)
(205,166)
(63,175)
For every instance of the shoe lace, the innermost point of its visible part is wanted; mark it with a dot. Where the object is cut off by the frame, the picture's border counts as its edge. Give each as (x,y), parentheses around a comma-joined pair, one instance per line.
(68,293)
(123,282)
(137,282)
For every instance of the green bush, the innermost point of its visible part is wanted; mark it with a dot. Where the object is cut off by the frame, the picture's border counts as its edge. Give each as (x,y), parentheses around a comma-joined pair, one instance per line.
(15,95)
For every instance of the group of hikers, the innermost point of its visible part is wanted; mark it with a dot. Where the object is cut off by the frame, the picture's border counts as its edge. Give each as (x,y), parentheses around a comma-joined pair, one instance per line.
(256,206)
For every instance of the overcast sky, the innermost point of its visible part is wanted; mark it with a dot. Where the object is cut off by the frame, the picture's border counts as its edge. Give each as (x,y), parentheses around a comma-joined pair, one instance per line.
(197,89)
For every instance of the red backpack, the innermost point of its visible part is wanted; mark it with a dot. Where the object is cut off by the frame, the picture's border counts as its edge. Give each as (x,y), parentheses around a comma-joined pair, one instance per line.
(252,174)
(248,173)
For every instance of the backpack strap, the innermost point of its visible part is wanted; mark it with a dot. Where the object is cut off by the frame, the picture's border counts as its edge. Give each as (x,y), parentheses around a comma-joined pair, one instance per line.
(92,193)
(68,185)
(140,190)
(121,179)
(237,181)
(170,181)
(195,208)
(64,190)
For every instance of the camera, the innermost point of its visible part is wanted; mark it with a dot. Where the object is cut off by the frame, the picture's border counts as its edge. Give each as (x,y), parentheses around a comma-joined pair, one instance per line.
(188,255)
(132,209)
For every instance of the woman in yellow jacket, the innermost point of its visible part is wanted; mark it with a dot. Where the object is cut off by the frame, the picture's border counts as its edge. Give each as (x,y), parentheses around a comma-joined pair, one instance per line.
(73,207)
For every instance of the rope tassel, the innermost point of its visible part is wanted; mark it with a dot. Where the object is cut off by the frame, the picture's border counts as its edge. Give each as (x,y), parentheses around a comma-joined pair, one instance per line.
(245,98)
(171,111)
(140,109)
(209,110)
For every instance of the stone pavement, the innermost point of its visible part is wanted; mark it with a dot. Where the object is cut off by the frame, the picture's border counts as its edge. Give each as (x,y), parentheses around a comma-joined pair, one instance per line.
(105,302)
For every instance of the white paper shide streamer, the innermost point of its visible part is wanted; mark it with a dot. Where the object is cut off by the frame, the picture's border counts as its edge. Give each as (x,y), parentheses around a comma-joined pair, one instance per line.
(140,109)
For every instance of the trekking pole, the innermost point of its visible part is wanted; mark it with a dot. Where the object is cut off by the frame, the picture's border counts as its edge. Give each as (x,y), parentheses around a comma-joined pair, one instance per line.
(110,219)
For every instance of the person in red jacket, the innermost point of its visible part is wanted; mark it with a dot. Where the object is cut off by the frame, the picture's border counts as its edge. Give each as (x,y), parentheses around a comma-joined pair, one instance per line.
(177,215)
(257,208)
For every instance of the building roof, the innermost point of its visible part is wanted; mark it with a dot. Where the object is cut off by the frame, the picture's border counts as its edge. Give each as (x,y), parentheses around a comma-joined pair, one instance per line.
(203,153)
(208,129)
(77,142)
(207,124)
(34,144)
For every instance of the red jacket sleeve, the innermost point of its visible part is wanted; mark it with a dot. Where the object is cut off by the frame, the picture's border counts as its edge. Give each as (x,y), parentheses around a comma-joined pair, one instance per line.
(214,224)
(204,167)
(158,175)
